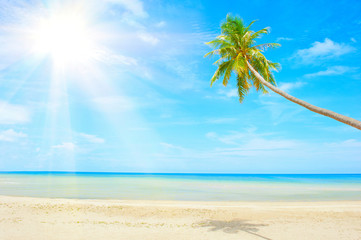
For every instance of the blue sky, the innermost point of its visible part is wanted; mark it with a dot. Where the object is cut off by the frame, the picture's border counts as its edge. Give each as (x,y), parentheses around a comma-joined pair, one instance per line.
(133,94)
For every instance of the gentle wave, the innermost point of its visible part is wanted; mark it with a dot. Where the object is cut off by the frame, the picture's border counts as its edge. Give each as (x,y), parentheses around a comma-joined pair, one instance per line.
(193,187)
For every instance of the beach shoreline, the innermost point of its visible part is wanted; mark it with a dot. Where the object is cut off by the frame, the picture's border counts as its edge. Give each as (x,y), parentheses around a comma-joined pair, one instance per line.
(55,218)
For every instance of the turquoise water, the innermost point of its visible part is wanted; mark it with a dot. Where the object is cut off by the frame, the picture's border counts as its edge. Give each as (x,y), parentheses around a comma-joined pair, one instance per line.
(192,187)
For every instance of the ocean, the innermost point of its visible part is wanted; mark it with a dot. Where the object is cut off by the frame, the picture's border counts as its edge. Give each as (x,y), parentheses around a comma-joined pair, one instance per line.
(184,187)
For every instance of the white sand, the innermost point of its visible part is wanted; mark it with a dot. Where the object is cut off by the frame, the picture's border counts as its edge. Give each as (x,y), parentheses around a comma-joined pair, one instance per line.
(37,218)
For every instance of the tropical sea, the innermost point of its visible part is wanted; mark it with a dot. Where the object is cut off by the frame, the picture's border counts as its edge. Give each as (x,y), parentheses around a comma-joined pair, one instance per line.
(189,187)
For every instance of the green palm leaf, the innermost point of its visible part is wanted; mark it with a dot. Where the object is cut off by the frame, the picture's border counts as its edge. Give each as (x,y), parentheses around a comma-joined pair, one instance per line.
(235,46)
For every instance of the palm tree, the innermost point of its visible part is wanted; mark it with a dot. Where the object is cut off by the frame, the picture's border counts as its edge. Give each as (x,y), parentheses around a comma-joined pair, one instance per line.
(240,55)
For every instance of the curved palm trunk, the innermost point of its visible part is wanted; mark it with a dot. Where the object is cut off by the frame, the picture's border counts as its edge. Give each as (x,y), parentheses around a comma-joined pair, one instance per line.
(341,118)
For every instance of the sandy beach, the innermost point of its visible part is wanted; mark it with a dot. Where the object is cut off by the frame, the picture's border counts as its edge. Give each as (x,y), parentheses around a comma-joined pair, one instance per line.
(40,218)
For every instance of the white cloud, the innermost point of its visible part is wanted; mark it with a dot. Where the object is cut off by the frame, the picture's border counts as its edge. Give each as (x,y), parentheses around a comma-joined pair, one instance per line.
(133,6)
(224,94)
(211,135)
(323,50)
(251,143)
(185,77)
(111,58)
(353,40)
(335,70)
(350,143)
(172,146)
(148,38)
(224,120)
(237,137)
(220,120)
(91,138)
(287,87)
(260,146)
(246,143)
(69,146)
(13,114)
(281,109)
(284,39)
(11,136)
(165,115)
(253,151)
(160,24)
(229,93)
(270,144)
(114,103)
(233,138)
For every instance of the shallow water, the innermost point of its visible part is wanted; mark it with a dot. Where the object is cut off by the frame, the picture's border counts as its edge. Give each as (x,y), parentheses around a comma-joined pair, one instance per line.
(193,187)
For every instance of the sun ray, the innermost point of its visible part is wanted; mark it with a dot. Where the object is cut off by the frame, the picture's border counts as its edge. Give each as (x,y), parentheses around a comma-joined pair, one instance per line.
(80,58)
(58,130)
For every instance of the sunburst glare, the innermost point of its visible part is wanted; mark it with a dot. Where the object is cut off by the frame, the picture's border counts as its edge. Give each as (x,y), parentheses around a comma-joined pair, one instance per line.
(66,37)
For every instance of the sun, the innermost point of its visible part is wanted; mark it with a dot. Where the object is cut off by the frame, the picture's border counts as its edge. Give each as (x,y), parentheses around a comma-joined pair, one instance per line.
(66,37)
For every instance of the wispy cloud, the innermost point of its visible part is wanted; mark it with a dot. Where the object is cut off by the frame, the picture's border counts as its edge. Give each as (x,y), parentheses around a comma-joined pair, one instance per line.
(260,145)
(229,93)
(239,138)
(68,146)
(172,146)
(323,50)
(350,143)
(224,94)
(91,138)
(160,24)
(249,143)
(211,135)
(283,39)
(119,103)
(289,86)
(281,110)
(272,148)
(108,57)
(148,38)
(133,6)
(259,154)
(11,136)
(185,78)
(331,71)
(13,114)
(222,120)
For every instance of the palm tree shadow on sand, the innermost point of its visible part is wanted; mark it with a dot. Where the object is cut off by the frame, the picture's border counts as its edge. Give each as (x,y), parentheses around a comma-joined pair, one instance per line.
(234,226)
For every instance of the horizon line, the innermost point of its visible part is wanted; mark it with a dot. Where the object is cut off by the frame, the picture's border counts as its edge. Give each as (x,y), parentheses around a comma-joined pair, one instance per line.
(171,173)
